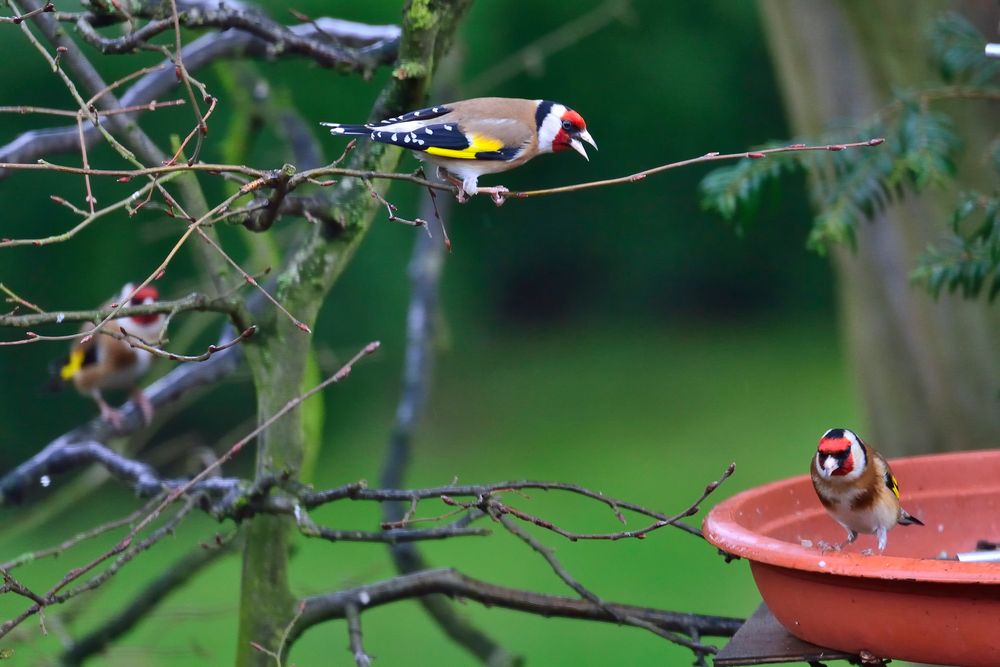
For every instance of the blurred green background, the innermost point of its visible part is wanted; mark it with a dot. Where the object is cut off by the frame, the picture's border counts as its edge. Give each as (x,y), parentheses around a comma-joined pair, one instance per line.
(618,338)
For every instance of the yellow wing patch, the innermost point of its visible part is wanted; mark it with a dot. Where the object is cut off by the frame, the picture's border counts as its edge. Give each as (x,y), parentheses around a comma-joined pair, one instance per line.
(72,366)
(892,483)
(480,144)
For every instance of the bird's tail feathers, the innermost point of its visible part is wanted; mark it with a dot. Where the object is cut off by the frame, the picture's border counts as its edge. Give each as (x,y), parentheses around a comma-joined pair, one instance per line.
(347,129)
(906,519)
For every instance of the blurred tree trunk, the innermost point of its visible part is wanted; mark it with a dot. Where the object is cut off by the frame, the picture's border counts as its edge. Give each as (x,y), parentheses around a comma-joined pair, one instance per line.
(928,371)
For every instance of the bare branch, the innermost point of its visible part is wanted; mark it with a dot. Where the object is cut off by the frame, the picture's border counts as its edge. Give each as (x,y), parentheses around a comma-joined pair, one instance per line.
(549,555)
(490,505)
(88,219)
(47,7)
(453,583)
(151,106)
(90,81)
(457,528)
(125,552)
(339,376)
(314,41)
(147,599)
(361,658)
(361,492)
(70,456)
(253,281)
(79,538)
(69,451)
(192,302)
(380,41)
(138,343)
(14,298)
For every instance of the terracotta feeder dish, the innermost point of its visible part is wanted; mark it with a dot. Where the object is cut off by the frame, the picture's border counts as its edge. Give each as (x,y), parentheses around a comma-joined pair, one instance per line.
(913,602)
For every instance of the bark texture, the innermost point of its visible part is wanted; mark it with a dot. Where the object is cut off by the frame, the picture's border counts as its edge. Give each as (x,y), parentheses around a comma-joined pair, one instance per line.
(928,371)
(278,357)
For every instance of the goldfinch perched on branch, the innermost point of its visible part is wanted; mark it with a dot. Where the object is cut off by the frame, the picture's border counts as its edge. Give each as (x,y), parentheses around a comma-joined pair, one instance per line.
(486,135)
(856,486)
(103,362)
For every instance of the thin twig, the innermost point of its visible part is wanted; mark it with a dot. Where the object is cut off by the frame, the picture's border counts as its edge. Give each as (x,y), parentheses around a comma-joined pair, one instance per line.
(253,281)
(84,536)
(357,648)
(391,208)
(122,81)
(47,7)
(14,298)
(138,343)
(147,599)
(560,570)
(91,200)
(201,129)
(708,157)
(149,106)
(487,503)
(124,551)
(86,222)
(391,536)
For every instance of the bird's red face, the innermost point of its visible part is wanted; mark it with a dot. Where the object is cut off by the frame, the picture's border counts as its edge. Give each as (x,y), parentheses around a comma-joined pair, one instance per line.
(833,455)
(146,295)
(560,128)
(841,453)
(571,124)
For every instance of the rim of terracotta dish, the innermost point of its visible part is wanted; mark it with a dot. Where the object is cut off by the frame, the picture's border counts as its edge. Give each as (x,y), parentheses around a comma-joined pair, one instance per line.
(722,528)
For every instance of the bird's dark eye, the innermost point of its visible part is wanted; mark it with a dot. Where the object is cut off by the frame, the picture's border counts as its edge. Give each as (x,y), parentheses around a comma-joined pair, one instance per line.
(568,126)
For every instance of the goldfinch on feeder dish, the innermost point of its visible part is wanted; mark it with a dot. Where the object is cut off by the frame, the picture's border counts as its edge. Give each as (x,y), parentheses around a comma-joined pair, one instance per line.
(485,135)
(103,362)
(856,486)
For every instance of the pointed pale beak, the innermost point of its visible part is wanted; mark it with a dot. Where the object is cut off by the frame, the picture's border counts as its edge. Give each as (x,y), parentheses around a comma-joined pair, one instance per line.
(829,465)
(578,147)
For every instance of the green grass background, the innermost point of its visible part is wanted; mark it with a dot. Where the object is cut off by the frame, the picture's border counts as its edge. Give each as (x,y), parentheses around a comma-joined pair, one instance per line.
(649,415)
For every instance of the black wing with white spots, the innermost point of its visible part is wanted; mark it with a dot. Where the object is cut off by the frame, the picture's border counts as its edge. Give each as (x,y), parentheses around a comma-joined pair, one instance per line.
(420,114)
(447,136)
(440,139)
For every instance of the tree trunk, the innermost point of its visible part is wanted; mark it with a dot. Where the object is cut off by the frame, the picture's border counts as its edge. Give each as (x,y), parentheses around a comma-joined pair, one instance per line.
(928,371)
(277,354)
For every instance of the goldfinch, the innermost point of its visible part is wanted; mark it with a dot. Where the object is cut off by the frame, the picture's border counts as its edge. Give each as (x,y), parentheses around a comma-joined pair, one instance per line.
(856,486)
(486,135)
(103,362)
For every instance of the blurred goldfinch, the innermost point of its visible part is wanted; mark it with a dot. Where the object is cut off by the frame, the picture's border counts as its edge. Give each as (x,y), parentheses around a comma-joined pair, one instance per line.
(856,486)
(103,362)
(485,135)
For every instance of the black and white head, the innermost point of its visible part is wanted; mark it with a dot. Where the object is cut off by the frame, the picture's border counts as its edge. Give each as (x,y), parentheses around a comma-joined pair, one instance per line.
(841,455)
(148,327)
(560,128)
